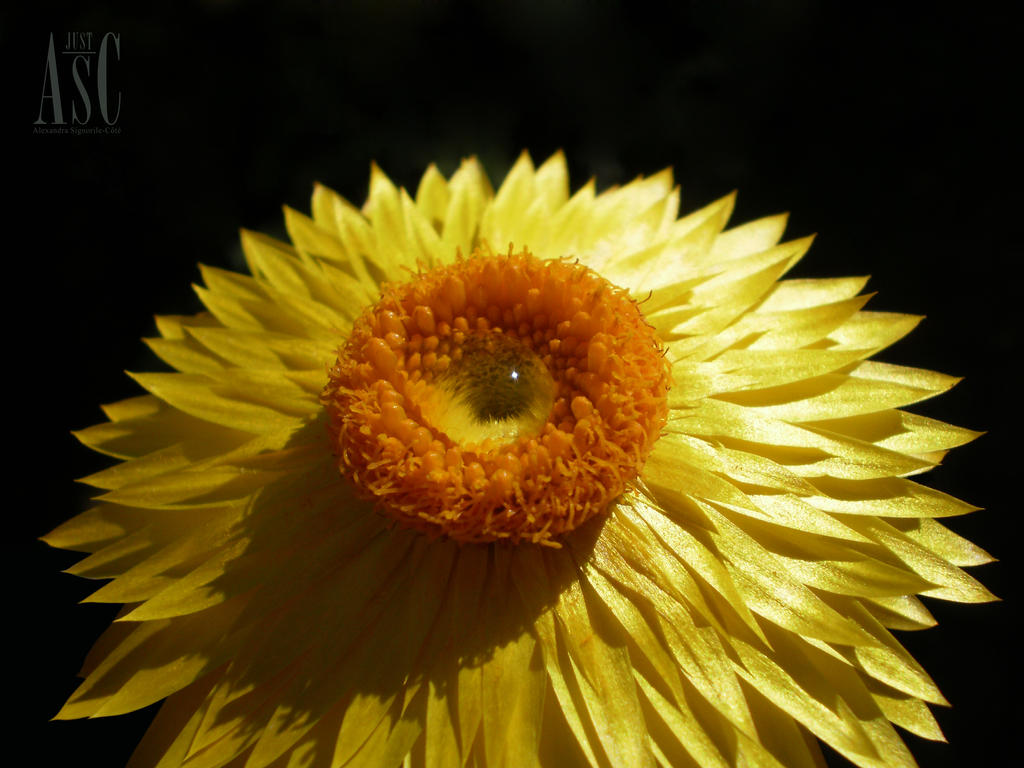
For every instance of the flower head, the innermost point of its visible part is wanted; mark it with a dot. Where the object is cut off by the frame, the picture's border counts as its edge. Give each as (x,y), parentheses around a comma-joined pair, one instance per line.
(520,478)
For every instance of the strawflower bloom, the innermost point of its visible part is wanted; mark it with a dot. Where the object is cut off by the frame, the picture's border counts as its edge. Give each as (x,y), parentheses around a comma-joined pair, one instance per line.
(517,479)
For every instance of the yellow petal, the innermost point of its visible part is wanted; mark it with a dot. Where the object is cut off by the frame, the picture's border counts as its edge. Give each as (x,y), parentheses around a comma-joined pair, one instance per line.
(470,190)
(166,743)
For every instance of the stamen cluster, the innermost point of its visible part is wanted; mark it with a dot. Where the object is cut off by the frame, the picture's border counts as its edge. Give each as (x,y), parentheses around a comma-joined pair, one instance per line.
(608,405)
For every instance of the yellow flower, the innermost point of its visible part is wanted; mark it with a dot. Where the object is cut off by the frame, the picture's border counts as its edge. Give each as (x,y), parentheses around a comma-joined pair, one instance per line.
(516,479)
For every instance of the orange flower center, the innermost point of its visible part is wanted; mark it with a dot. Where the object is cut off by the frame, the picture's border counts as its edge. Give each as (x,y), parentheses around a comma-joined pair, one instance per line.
(499,397)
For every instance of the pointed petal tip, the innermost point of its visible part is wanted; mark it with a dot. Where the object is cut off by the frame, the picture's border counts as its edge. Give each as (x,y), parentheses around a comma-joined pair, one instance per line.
(990,559)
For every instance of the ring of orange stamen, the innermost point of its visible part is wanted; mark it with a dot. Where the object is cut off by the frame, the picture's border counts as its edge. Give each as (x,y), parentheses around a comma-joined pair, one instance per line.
(610,382)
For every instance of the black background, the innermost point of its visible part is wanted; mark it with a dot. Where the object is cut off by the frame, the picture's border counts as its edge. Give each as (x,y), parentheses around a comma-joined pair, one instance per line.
(888,130)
